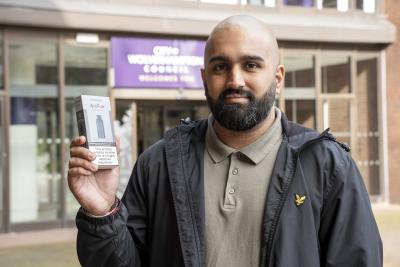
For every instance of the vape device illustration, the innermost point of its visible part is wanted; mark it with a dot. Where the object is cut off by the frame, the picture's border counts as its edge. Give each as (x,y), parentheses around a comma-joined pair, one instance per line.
(100,127)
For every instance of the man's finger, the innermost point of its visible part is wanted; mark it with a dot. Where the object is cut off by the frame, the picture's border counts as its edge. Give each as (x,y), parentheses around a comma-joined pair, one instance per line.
(82,163)
(82,152)
(78,141)
(78,171)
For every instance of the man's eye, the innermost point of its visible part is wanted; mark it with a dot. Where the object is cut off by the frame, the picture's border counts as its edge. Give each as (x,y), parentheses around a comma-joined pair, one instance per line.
(219,67)
(251,66)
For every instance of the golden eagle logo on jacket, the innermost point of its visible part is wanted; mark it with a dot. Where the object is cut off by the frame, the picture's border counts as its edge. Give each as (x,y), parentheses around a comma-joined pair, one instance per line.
(300,200)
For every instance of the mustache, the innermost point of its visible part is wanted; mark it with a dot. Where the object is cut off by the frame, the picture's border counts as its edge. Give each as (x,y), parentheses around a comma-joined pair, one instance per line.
(239,91)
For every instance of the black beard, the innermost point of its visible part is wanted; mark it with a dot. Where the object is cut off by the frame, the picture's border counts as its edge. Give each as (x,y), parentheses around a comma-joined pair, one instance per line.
(239,117)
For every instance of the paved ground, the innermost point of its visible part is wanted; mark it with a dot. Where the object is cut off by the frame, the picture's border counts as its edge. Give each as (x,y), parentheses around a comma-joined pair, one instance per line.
(37,238)
(48,255)
(388,219)
(52,248)
(56,248)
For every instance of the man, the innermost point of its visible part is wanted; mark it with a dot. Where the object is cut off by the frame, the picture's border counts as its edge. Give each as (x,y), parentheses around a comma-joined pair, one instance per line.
(244,188)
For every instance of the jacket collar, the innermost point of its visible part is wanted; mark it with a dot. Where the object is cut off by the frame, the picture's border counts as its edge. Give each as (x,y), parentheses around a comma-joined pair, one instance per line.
(184,148)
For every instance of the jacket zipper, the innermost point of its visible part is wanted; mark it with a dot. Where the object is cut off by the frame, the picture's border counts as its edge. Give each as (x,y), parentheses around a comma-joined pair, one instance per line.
(278,214)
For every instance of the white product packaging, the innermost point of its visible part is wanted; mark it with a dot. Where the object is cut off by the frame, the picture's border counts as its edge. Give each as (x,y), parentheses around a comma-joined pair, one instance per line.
(93,114)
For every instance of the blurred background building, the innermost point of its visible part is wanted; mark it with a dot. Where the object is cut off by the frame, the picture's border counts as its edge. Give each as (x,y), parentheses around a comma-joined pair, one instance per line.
(342,72)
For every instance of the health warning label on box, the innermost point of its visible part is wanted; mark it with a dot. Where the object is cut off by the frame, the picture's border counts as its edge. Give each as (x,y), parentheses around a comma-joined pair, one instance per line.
(105,155)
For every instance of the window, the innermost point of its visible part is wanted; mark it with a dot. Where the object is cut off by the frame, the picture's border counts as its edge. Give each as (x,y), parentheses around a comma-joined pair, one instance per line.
(303,3)
(228,2)
(367,127)
(340,5)
(352,114)
(85,65)
(302,112)
(336,116)
(368,6)
(300,72)
(335,72)
(268,3)
(337,112)
(255,2)
(300,88)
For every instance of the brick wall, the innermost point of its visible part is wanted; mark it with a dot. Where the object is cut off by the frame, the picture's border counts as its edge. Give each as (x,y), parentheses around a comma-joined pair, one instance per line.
(392,9)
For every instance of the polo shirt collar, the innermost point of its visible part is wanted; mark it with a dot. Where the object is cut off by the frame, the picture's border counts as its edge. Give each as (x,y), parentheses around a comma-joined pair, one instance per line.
(217,150)
(255,151)
(260,148)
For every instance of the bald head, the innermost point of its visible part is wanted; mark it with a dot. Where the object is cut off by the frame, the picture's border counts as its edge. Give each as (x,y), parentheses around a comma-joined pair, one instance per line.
(248,26)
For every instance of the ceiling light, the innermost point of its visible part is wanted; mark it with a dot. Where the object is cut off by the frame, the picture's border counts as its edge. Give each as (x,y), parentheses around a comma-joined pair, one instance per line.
(87,38)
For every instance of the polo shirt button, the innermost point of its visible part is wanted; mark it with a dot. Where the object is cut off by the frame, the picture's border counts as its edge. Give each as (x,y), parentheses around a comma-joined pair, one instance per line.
(231,190)
(235,171)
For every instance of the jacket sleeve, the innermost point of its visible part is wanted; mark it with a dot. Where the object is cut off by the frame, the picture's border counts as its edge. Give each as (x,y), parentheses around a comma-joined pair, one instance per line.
(119,239)
(348,232)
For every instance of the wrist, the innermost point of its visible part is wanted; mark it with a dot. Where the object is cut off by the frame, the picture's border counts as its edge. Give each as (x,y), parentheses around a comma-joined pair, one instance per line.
(112,210)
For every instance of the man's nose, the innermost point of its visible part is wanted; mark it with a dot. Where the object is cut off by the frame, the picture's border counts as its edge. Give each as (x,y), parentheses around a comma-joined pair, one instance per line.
(235,79)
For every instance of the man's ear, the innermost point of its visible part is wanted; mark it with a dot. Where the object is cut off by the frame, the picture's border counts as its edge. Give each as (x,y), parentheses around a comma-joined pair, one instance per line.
(203,77)
(203,74)
(279,78)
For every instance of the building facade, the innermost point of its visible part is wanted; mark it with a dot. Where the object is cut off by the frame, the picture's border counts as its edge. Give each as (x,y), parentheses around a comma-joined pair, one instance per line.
(145,56)
(393,102)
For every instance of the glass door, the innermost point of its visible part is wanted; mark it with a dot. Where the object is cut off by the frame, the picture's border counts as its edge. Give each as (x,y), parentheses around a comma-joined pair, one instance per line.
(34,131)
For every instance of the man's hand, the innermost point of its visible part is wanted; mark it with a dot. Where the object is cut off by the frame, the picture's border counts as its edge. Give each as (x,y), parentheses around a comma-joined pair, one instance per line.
(94,189)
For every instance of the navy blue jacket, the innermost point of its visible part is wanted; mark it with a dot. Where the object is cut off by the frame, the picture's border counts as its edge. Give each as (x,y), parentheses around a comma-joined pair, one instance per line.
(161,218)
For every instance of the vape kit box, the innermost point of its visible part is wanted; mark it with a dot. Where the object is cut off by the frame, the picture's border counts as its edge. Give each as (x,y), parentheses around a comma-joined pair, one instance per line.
(93,114)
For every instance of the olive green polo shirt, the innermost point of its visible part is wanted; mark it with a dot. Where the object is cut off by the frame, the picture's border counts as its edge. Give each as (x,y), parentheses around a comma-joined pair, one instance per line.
(235,187)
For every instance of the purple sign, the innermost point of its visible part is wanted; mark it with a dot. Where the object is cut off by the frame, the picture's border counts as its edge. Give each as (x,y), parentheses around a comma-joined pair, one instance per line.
(157,63)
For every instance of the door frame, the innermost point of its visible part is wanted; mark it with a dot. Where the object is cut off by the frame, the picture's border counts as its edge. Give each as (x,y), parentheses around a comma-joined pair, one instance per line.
(4,164)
